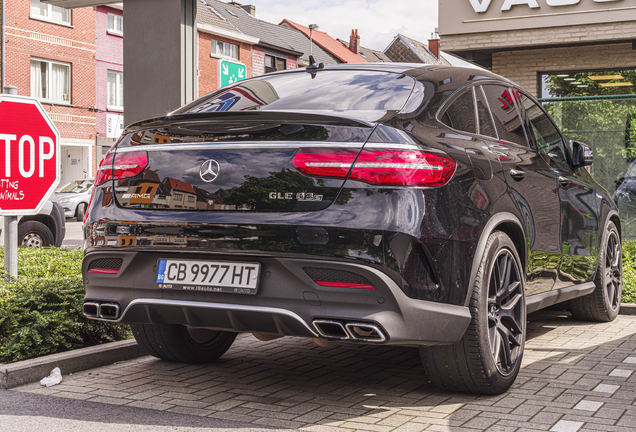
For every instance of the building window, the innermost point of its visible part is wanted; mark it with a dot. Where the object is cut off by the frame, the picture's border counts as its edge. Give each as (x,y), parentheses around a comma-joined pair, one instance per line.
(177,197)
(273,64)
(51,81)
(115,90)
(190,198)
(597,83)
(225,49)
(116,24)
(49,12)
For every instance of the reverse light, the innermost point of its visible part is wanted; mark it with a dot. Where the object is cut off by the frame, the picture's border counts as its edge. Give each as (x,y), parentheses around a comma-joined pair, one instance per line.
(381,167)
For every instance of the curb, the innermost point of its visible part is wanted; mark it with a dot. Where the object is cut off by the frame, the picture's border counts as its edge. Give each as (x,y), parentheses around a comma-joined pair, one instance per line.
(33,370)
(627,309)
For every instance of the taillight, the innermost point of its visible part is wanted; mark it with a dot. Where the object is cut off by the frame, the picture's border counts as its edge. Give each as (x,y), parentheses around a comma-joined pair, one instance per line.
(123,166)
(105,170)
(382,167)
(330,163)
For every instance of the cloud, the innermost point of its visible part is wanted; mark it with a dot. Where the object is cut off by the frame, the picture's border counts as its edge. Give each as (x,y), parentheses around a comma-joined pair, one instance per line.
(377,21)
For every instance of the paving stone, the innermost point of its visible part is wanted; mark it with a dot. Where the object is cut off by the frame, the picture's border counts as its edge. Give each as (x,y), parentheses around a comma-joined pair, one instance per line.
(606,388)
(586,405)
(566,426)
(623,373)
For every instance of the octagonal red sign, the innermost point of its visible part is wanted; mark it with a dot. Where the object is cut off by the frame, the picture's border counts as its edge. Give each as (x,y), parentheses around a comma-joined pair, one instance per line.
(29,155)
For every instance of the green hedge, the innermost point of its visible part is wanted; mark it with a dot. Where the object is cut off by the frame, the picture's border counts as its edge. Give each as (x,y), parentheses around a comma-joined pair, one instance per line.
(629,272)
(41,313)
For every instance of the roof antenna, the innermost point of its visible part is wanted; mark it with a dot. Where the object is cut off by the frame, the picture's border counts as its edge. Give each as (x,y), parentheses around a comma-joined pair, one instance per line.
(312,61)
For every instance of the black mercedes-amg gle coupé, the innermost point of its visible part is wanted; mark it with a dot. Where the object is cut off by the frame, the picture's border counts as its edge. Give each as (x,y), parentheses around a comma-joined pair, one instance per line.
(394,204)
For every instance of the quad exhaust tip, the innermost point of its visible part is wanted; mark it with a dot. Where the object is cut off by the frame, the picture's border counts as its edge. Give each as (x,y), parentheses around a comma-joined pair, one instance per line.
(358,331)
(107,311)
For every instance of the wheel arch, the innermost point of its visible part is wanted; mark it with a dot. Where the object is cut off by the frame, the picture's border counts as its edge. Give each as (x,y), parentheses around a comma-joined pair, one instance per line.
(509,224)
(614,217)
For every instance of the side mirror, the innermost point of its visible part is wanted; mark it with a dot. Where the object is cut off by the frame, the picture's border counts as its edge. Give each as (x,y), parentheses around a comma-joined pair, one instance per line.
(582,154)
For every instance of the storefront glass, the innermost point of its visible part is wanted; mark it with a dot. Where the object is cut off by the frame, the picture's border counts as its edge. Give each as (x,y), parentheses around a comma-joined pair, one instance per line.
(596,83)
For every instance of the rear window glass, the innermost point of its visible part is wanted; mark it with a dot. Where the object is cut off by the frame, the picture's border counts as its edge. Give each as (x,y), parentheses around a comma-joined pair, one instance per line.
(461,114)
(369,94)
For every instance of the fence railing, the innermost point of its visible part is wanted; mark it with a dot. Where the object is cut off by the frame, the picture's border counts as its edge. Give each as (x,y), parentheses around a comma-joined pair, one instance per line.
(608,125)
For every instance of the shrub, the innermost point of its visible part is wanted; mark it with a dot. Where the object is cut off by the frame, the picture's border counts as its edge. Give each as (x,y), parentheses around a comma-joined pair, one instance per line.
(629,272)
(41,313)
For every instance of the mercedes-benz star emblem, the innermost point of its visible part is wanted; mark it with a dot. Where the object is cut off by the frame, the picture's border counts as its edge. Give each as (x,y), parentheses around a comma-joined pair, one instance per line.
(209,170)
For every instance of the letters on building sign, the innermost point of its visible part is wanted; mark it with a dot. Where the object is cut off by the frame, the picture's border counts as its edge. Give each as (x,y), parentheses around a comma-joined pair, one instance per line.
(481,6)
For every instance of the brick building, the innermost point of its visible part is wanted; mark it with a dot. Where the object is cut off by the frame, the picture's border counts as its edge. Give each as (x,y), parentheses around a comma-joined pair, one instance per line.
(407,50)
(532,42)
(219,40)
(109,77)
(50,54)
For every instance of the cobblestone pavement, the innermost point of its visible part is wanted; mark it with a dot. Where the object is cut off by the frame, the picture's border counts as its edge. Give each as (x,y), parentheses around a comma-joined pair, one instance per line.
(576,376)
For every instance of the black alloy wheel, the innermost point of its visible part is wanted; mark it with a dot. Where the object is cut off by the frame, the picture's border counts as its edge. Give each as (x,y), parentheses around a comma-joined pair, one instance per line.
(603,304)
(506,312)
(488,358)
(613,269)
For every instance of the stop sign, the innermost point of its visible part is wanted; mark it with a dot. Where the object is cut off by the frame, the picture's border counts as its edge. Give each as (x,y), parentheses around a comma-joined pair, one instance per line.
(29,155)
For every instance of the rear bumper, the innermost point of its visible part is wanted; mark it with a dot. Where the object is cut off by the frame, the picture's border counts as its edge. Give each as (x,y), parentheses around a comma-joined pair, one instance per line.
(288,301)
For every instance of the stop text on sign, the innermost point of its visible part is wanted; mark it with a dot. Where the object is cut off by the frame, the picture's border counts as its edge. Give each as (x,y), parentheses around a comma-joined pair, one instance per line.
(26,154)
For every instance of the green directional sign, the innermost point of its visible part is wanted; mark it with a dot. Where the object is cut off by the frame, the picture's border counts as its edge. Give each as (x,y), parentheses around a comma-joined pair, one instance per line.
(230,72)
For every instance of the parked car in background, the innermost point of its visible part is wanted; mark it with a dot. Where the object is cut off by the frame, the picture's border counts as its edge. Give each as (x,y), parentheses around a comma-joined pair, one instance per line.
(47,228)
(387,204)
(74,197)
(625,195)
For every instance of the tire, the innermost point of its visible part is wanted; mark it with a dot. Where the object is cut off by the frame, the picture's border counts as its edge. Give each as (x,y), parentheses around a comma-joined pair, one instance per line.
(498,314)
(178,343)
(80,212)
(34,234)
(603,303)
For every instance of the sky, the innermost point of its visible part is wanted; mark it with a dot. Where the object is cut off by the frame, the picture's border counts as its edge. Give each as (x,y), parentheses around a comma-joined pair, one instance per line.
(377,21)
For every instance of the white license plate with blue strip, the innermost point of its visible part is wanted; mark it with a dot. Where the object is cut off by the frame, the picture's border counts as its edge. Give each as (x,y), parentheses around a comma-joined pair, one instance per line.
(209,276)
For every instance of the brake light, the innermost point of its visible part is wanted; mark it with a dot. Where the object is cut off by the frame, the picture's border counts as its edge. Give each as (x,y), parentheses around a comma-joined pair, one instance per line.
(381,167)
(121,166)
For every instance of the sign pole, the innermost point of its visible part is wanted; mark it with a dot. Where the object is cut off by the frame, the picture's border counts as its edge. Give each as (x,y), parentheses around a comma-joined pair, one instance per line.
(10,248)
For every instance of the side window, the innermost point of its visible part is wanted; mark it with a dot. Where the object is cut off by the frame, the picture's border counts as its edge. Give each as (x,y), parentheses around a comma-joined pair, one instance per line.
(546,135)
(461,114)
(504,113)
(486,126)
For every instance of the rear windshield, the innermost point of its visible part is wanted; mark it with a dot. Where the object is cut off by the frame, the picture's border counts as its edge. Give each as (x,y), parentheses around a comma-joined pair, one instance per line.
(364,95)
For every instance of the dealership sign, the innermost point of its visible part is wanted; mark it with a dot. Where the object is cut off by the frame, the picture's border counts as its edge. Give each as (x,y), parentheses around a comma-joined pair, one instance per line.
(475,16)
(29,156)
(481,6)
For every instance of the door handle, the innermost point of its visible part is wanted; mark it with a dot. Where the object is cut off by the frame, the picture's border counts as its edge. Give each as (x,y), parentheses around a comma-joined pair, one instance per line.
(517,174)
(564,181)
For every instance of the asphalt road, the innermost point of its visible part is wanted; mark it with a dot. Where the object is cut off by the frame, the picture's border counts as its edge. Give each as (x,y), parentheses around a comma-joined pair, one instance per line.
(25,412)
(74,237)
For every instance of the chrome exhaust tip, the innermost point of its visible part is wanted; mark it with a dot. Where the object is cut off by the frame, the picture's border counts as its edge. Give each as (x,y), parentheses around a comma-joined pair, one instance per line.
(331,329)
(365,332)
(91,310)
(109,311)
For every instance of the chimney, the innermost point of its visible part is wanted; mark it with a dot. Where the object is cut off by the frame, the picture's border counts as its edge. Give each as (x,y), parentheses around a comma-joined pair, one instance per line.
(354,42)
(433,45)
(250,9)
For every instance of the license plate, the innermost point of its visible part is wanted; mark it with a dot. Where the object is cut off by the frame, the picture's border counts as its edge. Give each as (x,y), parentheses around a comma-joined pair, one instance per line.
(210,276)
